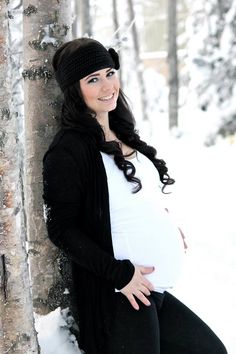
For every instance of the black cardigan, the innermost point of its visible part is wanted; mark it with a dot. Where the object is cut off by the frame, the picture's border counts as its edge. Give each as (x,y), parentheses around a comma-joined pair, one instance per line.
(78,222)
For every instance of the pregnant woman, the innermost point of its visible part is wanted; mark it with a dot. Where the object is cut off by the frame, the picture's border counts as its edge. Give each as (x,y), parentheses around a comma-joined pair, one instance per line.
(103,190)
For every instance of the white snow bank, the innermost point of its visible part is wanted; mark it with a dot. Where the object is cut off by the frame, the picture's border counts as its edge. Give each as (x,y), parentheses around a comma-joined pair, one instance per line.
(54,335)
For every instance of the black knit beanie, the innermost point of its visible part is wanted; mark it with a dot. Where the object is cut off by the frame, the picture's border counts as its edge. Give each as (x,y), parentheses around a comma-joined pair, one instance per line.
(88,58)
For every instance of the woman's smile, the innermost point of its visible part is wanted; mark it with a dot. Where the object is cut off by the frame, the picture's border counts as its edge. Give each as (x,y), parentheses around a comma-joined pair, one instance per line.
(107,98)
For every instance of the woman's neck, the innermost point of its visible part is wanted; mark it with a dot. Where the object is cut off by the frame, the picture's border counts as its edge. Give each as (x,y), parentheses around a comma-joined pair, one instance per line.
(103,120)
(110,135)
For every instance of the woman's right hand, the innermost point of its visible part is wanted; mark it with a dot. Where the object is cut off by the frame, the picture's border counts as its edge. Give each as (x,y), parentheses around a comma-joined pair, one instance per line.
(138,287)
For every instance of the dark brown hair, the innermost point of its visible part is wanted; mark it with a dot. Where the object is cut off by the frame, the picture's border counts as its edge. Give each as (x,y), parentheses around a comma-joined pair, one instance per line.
(76,115)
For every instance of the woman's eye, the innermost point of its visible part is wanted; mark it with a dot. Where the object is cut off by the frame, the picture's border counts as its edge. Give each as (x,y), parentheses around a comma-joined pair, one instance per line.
(111,73)
(94,79)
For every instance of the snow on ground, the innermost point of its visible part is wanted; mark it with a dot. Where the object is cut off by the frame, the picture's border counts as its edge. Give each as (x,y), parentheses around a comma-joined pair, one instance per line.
(203,202)
(54,335)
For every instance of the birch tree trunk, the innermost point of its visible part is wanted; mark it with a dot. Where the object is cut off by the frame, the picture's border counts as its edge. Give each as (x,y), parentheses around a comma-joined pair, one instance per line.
(76,22)
(46,26)
(117,35)
(85,18)
(17,333)
(173,64)
(138,64)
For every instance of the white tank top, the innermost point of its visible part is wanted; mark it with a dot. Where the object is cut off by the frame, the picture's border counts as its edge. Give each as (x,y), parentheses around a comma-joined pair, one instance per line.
(142,230)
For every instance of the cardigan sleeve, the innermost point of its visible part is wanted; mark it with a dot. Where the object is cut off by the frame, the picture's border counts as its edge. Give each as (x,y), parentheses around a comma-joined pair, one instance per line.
(62,194)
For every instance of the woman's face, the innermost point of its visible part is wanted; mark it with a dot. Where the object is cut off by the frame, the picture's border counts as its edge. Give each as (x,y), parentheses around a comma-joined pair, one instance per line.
(100,90)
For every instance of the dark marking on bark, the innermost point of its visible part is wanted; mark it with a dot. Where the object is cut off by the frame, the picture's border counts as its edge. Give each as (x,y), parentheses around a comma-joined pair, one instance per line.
(31,9)
(56,118)
(1,195)
(56,105)
(37,73)
(57,102)
(5,114)
(52,32)
(25,337)
(57,30)
(40,44)
(2,233)
(9,15)
(3,276)
(34,252)
(53,104)
(3,139)
(37,44)
(2,170)
(16,210)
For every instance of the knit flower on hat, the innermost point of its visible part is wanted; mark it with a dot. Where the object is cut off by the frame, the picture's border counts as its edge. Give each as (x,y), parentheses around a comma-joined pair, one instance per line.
(115,57)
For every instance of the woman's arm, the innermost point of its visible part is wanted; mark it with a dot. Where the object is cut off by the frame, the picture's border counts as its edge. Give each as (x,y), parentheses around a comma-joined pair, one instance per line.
(63,202)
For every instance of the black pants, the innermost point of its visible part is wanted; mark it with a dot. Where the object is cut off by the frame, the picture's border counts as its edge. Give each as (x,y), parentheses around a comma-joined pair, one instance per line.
(166,327)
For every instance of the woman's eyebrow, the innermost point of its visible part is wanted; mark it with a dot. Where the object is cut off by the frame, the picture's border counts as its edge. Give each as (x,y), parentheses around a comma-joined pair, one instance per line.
(97,74)
(91,75)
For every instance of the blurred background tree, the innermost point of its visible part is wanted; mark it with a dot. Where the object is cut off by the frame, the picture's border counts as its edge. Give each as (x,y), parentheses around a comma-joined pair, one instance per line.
(212,64)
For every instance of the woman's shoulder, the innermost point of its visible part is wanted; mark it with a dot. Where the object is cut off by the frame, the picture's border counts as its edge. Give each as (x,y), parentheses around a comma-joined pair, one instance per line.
(68,141)
(66,138)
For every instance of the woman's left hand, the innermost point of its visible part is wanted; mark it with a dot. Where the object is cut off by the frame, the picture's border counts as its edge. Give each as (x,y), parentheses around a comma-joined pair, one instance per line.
(138,287)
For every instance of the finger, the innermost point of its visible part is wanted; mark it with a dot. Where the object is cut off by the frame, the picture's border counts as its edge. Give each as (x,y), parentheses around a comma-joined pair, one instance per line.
(133,302)
(147,270)
(145,290)
(142,298)
(148,284)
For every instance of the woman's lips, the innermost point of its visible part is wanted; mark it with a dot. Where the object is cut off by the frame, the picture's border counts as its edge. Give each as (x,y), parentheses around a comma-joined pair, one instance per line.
(107,98)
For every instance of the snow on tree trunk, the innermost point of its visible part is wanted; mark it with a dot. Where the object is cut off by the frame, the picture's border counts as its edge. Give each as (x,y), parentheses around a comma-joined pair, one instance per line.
(17,333)
(46,26)
(173,64)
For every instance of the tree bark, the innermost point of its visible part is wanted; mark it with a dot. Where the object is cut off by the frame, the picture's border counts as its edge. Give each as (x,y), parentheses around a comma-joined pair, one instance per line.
(138,64)
(17,333)
(173,64)
(46,26)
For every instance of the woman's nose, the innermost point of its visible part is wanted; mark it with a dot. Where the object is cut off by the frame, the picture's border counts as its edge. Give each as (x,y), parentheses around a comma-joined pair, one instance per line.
(106,85)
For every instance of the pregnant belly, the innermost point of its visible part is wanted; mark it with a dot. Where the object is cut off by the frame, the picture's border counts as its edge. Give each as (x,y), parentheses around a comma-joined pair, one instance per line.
(161,247)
